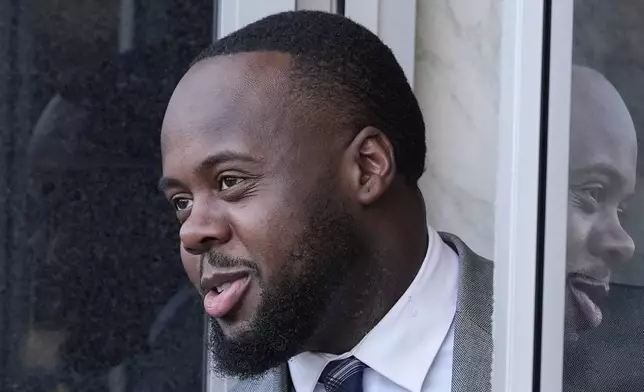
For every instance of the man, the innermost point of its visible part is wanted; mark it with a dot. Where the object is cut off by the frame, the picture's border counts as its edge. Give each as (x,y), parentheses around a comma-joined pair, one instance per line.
(603,160)
(291,154)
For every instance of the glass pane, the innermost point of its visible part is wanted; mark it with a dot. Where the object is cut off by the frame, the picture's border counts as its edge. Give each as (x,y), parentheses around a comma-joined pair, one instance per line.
(94,297)
(605,257)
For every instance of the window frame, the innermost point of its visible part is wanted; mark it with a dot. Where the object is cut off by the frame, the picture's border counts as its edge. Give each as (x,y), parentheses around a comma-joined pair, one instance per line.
(233,14)
(558,90)
(517,219)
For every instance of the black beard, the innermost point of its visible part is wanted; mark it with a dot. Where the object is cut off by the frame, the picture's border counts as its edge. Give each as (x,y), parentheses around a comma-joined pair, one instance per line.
(311,286)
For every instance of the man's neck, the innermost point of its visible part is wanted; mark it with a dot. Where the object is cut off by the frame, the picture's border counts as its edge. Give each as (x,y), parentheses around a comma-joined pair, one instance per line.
(367,297)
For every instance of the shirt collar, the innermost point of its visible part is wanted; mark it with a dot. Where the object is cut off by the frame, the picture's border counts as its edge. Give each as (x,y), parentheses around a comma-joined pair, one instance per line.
(404,344)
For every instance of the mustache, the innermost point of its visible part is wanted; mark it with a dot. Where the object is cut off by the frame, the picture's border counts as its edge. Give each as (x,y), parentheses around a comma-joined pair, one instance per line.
(219,260)
(599,273)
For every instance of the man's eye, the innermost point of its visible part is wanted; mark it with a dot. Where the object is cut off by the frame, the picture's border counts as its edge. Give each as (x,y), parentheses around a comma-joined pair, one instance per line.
(595,193)
(592,193)
(229,182)
(181,203)
(590,197)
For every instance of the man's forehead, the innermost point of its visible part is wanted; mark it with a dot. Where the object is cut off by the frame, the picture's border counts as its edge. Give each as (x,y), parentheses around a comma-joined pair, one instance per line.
(229,71)
(233,93)
(601,126)
(599,144)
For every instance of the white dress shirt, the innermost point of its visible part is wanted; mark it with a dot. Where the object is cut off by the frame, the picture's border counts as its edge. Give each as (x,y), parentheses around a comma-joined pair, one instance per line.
(411,348)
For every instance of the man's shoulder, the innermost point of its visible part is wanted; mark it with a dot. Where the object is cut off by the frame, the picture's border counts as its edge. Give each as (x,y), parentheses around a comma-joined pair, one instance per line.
(473,344)
(476,282)
(464,252)
(477,272)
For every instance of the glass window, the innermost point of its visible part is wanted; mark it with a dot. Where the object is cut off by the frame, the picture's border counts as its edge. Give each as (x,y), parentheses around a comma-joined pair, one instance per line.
(94,297)
(604,284)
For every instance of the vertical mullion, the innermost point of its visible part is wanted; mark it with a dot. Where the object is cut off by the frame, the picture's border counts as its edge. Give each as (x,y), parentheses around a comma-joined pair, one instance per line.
(542,192)
(340,7)
(127,23)
(215,20)
(556,204)
(517,201)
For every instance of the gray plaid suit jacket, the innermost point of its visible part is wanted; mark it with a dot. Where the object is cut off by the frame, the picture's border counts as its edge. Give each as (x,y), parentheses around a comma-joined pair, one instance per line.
(472,331)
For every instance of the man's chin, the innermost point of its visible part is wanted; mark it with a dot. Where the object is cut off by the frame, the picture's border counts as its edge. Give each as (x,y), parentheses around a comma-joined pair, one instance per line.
(236,330)
(240,352)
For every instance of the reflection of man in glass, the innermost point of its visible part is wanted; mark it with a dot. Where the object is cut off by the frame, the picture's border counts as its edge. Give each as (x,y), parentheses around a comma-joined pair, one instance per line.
(603,157)
(107,302)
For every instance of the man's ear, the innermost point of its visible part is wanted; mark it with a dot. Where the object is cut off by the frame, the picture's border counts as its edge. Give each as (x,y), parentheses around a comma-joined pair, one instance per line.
(370,164)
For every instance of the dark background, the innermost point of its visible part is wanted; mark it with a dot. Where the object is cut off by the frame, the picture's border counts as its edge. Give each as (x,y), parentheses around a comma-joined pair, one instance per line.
(88,250)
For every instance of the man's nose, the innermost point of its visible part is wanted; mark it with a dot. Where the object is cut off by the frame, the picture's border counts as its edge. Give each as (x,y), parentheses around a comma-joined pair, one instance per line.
(611,242)
(205,228)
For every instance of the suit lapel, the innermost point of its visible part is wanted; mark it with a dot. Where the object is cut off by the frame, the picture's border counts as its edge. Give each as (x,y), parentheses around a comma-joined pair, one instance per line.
(473,321)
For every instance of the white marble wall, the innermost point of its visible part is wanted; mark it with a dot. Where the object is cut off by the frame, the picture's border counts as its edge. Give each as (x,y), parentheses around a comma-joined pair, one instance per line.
(457,85)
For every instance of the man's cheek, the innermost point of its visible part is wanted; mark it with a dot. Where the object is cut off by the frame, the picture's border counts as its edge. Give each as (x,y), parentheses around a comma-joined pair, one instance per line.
(191,266)
(579,225)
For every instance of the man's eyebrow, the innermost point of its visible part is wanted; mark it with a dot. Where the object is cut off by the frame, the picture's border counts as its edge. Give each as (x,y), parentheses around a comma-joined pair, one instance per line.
(605,169)
(600,168)
(213,160)
(222,157)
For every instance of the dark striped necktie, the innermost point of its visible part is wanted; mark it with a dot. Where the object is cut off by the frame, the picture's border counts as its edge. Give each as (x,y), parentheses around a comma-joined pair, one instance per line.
(343,375)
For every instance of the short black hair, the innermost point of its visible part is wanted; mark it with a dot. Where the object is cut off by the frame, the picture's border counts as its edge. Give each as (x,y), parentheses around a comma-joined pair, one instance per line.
(333,53)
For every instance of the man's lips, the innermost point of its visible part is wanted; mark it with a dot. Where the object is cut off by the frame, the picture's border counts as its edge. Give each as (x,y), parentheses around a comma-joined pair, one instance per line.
(587,292)
(224,290)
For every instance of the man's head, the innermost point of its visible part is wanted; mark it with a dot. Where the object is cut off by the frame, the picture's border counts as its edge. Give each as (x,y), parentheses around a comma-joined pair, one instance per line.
(285,147)
(603,157)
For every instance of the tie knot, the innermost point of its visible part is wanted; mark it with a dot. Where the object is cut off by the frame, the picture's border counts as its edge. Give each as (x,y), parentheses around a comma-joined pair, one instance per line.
(343,375)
